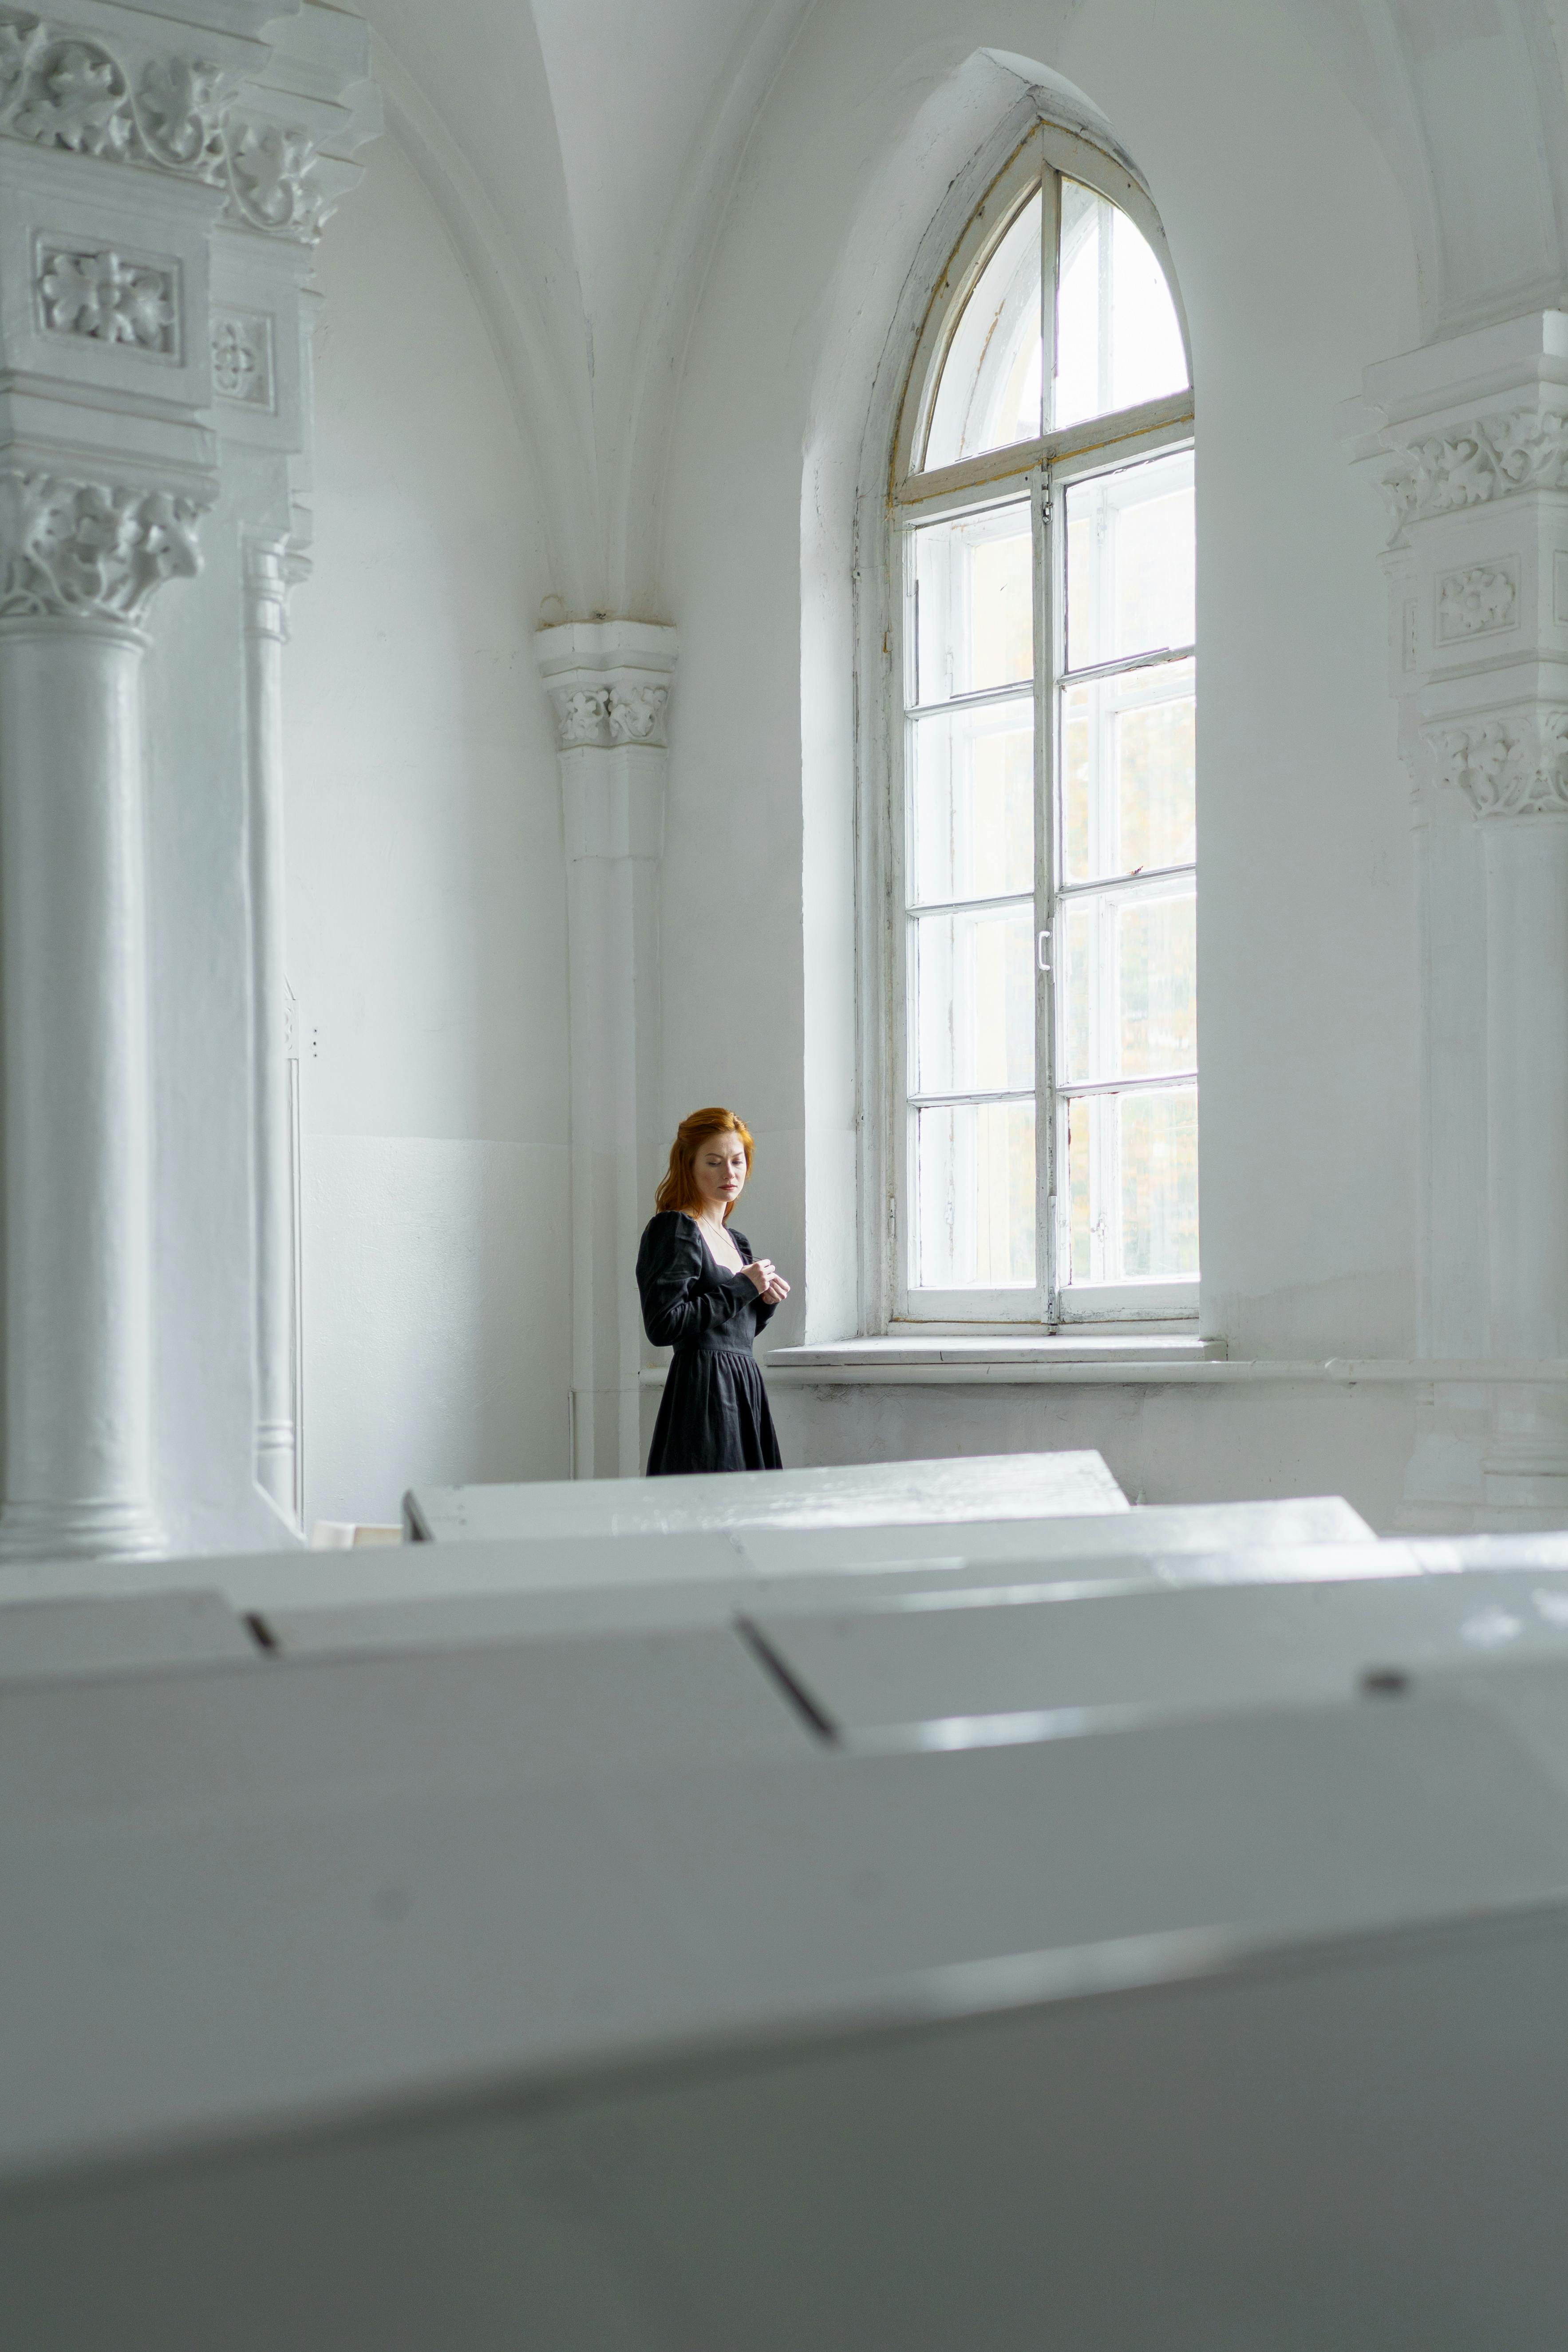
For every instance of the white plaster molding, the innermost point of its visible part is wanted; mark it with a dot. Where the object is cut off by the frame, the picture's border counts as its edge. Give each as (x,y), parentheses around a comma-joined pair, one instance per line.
(244,372)
(1497,456)
(1512,764)
(75,550)
(1480,600)
(608,682)
(69,89)
(636,713)
(582,714)
(108,298)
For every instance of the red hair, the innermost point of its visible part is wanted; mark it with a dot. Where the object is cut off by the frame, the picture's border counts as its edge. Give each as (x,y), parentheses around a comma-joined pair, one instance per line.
(678,1190)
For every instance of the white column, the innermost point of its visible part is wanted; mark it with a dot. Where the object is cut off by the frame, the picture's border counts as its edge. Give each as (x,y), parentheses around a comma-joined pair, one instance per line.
(609,686)
(1471,441)
(271,567)
(163,176)
(82,561)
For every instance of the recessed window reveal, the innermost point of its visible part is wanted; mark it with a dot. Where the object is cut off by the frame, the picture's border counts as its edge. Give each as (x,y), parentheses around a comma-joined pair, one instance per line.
(1046,873)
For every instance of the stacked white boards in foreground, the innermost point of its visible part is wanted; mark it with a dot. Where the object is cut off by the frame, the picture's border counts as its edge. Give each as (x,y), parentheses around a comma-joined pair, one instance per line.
(1138,1927)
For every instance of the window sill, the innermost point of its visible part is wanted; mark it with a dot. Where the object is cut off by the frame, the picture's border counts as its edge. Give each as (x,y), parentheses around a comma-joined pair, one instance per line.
(1126,1361)
(938,1359)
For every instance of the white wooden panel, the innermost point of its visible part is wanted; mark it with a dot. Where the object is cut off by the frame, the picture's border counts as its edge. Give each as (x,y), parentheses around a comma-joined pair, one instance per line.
(284,1926)
(1145,1532)
(44,1641)
(954,1662)
(383,1730)
(874,1494)
(1357,2146)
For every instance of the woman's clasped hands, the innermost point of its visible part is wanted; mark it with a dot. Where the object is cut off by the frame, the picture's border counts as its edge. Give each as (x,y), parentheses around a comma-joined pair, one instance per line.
(770,1287)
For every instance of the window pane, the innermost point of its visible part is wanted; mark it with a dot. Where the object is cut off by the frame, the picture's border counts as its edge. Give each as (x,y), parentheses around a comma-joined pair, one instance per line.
(974,1185)
(973,802)
(1132,1184)
(1129,561)
(975,1001)
(1117,338)
(1129,984)
(989,396)
(975,605)
(1128,798)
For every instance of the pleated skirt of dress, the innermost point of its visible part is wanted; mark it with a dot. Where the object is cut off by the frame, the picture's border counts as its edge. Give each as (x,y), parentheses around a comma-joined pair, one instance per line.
(713,1415)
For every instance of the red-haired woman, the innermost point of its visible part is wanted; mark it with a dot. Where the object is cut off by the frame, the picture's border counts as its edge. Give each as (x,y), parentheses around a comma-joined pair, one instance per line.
(705,1296)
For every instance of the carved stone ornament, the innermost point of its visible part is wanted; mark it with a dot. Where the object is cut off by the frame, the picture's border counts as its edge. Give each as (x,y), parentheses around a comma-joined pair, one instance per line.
(1496,457)
(582,715)
(242,358)
(90,550)
(1512,766)
(1477,602)
(610,712)
(64,89)
(96,294)
(636,713)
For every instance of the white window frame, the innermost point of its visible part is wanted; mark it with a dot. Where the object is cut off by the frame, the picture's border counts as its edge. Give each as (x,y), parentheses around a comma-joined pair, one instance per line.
(1041,471)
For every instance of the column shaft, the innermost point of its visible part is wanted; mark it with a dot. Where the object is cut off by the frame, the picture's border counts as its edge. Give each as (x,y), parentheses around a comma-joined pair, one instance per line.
(277,1413)
(1527,1148)
(609,684)
(73,1093)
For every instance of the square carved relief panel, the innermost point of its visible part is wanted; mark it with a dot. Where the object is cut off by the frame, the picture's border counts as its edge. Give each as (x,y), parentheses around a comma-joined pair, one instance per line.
(1480,601)
(242,358)
(99,294)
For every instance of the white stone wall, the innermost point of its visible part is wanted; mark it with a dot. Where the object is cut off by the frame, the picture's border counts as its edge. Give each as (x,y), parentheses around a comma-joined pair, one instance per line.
(427,894)
(1294,280)
(611,359)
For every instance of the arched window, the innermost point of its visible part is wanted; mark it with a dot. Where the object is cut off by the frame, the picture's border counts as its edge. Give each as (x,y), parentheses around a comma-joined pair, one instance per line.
(1043,1161)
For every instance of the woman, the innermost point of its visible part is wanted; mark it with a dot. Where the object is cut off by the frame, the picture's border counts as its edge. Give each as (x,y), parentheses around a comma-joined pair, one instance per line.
(705,1296)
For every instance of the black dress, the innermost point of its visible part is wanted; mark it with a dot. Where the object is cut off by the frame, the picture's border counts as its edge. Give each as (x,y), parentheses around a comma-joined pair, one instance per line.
(714,1413)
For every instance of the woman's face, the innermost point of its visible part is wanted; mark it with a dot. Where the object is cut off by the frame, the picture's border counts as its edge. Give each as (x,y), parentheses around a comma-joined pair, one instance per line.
(721,1171)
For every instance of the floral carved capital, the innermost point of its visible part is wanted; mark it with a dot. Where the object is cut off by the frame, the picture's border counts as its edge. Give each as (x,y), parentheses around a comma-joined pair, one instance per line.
(636,713)
(1514,765)
(90,550)
(608,711)
(582,715)
(1495,457)
(59,89)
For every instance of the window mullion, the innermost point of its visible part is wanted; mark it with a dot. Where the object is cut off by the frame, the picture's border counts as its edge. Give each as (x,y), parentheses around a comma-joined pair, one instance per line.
(1050,263)
(1046,631)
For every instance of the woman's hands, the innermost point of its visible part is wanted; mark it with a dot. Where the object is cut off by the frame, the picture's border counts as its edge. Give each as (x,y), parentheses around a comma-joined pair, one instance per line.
(770,1287)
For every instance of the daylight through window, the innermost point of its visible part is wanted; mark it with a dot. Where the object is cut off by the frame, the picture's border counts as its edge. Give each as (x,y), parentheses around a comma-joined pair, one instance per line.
(1047,1118)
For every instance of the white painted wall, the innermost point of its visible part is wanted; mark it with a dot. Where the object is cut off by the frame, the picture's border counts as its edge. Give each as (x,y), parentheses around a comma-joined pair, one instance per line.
(1296,263)
(426,941)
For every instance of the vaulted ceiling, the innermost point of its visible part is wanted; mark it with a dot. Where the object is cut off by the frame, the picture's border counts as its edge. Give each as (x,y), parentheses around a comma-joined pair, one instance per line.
(584,153)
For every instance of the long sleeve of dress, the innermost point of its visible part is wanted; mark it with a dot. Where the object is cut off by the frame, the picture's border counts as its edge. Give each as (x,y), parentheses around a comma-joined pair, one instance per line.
(683,1293)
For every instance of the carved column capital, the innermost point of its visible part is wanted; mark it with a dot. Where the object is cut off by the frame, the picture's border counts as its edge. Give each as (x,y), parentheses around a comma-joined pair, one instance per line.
(1502,452)
(274,567)
(181,111)
(92,550)
(608,682)
(1513,763)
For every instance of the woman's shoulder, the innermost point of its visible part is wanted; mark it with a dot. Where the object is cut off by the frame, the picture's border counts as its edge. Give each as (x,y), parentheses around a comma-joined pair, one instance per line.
(667,1229)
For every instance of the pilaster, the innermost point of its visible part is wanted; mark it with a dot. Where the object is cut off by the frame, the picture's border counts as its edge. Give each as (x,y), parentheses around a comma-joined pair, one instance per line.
(609,684)
(162,176)
(1468,441)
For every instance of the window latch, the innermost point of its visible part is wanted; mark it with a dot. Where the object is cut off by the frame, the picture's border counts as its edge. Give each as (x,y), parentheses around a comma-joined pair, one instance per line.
(1043,951)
